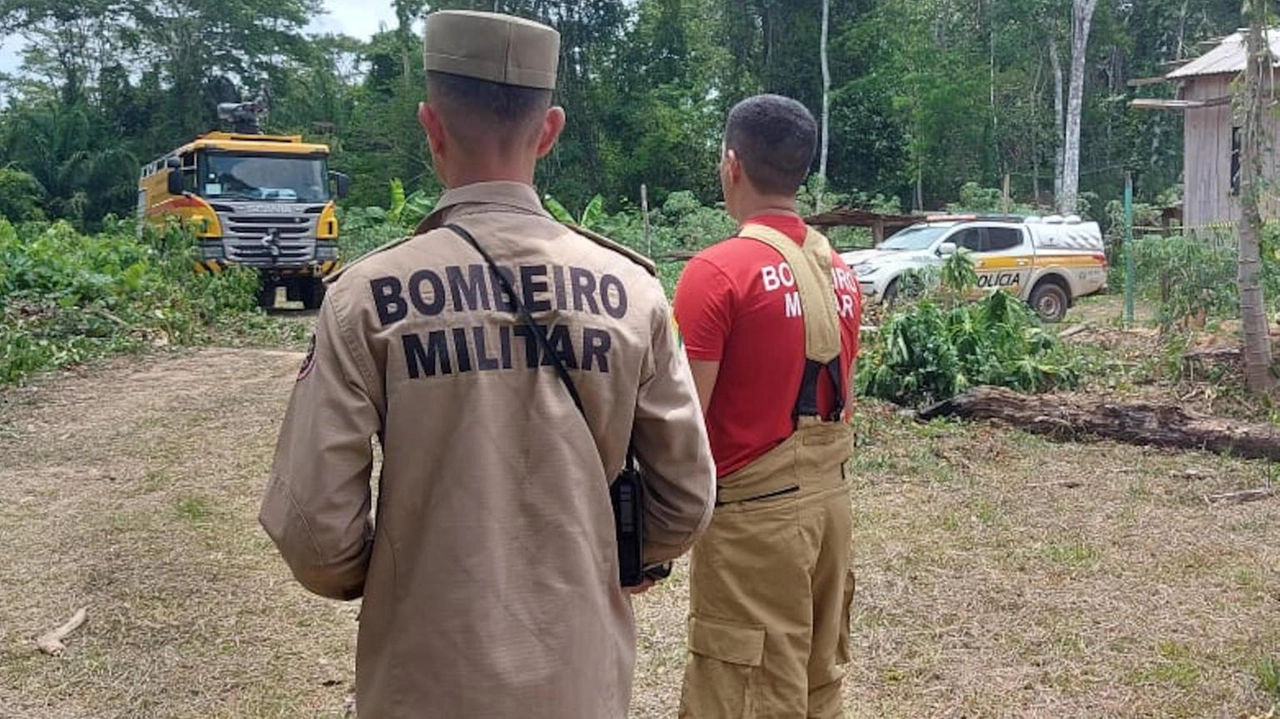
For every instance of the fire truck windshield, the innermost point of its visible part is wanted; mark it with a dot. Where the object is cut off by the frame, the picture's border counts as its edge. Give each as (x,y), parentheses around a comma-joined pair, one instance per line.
(264,177)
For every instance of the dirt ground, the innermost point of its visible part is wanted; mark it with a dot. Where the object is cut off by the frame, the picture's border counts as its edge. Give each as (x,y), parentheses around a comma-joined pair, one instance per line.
(1000,575)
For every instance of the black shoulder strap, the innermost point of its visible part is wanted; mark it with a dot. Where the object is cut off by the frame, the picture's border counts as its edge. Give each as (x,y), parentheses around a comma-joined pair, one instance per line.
(534,328)
(807,400)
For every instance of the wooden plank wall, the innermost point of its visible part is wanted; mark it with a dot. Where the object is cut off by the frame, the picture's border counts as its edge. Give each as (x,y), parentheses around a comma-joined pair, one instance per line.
(1207,198)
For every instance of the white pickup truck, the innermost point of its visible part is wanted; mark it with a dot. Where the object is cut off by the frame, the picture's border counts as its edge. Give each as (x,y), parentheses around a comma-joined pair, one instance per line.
(1047,261)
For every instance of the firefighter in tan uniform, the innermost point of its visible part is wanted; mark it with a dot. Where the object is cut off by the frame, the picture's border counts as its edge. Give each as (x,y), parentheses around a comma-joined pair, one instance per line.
(770,322)
(489,572)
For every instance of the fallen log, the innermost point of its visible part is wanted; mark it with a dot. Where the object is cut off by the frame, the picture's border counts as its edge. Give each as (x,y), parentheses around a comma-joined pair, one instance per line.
(1143,423)
(1075,330)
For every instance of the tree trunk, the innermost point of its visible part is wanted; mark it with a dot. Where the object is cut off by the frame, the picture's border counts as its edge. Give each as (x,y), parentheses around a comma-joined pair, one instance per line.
(1081,18)
(1182,31)
(826,107)
(991,67)
(1257,342)
(1035,136)
(1140,423)
(1058,121)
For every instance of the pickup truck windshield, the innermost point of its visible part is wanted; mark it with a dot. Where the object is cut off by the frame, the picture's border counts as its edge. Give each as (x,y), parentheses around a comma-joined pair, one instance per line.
(916,237)
(264,177)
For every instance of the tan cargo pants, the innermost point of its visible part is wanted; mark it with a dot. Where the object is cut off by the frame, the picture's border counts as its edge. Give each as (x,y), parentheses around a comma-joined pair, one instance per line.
(771,586)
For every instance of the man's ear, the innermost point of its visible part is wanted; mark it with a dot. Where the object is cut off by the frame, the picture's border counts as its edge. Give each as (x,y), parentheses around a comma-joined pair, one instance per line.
(732,166)
(552,125)
(431,121)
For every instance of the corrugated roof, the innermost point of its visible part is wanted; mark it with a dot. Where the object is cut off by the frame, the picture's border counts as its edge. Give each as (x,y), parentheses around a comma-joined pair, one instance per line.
(1227,57)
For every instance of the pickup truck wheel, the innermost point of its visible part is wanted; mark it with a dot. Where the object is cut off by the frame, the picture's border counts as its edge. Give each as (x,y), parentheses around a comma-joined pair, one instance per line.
(890,295)
(1049,301)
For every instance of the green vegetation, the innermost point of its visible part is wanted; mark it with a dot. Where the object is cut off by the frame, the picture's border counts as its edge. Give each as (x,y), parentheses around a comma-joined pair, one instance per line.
(66,298)
(1267,672)
(1193,279)
(943,343)
(927,98)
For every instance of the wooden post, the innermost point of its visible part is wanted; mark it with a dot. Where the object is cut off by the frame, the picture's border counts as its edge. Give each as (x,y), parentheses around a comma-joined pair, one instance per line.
(1006,194)
(877,231)
(1128,249)
(644,210)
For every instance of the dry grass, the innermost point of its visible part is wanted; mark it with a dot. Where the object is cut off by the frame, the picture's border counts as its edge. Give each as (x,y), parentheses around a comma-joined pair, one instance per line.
(999,574)
(1002,575)
(133,491)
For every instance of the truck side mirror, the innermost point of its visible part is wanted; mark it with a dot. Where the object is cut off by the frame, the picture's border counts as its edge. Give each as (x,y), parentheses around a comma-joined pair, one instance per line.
(946,249)
(342,184)
(173,163)
(176,185)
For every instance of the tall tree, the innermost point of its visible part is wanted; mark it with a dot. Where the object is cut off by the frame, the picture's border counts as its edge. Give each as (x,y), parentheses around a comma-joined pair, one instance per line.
(1059,122)
(67,43)
(1259,84)
(826,104)
(1081,19)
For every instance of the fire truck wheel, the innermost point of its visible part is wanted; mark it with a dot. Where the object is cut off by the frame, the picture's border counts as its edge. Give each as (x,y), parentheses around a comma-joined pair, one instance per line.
(312,293)
(267,295)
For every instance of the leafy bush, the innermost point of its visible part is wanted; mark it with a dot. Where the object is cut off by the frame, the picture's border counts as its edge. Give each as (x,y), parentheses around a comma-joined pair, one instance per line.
(944,344)
(976,198)
(364,229)
(928,353)
(1188,279)
(66,298)
(591,214)
(20,196)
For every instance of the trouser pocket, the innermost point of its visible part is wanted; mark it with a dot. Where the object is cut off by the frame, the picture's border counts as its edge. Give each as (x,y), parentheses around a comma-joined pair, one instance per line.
(724,661)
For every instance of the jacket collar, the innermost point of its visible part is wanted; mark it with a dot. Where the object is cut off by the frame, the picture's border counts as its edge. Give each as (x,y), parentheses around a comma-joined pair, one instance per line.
(510,195)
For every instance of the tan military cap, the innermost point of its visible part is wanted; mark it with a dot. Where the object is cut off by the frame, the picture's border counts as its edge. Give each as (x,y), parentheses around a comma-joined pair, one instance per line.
(488,46)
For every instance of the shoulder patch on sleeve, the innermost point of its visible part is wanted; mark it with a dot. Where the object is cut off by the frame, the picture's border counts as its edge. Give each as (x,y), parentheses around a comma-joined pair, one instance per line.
(309,361)
(333,276)
(618,247)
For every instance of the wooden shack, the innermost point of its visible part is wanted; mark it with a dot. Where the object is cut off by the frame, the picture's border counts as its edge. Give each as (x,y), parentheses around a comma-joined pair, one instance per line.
(1211,134)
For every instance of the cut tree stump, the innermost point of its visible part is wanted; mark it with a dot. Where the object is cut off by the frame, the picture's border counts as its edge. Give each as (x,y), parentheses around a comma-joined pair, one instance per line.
(1142,423)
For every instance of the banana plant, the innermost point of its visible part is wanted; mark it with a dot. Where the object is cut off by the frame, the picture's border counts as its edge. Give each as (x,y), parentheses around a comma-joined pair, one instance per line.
(591,214)
(408,210)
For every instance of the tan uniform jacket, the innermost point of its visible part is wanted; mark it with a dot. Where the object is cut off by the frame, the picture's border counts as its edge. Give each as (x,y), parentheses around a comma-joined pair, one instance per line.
(490,578)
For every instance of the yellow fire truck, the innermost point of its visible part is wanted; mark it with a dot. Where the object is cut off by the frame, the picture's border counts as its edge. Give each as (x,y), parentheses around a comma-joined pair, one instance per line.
(253,200)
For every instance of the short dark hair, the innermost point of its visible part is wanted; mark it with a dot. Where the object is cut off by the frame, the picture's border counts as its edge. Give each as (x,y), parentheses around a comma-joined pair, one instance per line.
(774,137)
(483,100)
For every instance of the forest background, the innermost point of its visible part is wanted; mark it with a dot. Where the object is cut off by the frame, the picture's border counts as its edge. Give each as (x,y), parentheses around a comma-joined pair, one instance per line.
(928,98)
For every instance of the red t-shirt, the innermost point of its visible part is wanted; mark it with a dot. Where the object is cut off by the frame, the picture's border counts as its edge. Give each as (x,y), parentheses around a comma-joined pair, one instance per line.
(731,306)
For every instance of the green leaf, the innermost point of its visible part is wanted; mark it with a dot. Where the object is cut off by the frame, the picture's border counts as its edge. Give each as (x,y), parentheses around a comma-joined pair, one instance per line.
(557,210)
(592,214)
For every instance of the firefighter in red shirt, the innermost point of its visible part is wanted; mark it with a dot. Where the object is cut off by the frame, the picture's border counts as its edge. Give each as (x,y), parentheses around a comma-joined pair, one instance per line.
(769,320)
